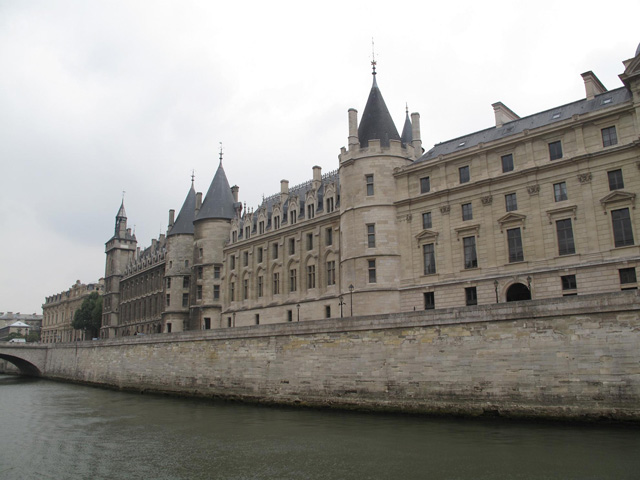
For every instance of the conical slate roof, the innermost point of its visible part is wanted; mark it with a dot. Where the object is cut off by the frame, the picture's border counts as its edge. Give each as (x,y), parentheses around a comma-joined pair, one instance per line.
(121,212)
(184,222)
(407,133)
(376,123)
(218,202)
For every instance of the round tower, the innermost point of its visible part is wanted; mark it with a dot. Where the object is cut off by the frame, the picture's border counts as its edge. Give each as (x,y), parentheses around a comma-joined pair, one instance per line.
(370,257)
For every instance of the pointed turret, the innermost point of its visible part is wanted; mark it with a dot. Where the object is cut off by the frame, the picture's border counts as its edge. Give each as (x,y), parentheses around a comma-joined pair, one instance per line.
(184,222)
(376,123)
(407,134)
(218,203)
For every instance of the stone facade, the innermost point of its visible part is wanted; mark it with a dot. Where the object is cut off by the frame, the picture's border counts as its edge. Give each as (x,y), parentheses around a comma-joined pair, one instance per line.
(58,311)
(532,208)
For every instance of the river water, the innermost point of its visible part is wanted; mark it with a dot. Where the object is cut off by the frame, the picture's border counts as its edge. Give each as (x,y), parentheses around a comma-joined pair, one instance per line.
(51,430)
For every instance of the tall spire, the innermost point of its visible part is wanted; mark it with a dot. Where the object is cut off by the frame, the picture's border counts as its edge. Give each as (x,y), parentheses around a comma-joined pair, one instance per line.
(218,203)
(407,130)
(184,222)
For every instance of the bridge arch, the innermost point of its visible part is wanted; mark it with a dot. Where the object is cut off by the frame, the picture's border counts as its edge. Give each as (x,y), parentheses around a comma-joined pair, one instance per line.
(26,368)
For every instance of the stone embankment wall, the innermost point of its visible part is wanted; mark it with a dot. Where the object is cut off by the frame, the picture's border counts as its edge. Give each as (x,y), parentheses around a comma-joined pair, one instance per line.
(572,357)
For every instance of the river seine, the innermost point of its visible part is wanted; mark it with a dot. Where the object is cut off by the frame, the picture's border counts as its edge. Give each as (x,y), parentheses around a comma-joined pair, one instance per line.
(51,430)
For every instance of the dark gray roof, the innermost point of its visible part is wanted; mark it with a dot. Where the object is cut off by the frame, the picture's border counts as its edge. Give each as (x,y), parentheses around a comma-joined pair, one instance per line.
(184,222)
(376,123)
(121,212)
(218,203)
(558,114)
(407,133)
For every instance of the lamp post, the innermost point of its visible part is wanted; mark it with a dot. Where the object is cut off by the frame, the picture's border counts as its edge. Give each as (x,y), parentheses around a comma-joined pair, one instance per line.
(351,297)
(341,303)
(495,285)
(298,307)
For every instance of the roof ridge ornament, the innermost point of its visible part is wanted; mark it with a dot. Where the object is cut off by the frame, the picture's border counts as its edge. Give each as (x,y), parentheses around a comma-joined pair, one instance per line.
(221,153)
(373,58)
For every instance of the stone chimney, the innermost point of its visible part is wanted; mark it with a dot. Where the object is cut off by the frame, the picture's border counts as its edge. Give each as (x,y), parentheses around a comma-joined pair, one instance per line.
(284,190)
(353,127)
(592,85)
(415,134)
(172,214)
(234,191)
(198,201)
(503,114)
(317,177)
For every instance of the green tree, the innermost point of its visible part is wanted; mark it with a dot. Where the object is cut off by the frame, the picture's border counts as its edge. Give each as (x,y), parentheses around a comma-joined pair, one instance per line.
(33,337)
(89,316)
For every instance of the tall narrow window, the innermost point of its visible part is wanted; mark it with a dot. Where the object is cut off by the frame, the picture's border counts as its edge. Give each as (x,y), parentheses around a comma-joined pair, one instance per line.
(292,246)
(275,250)
(467,211)
(216,292)
(232,291)
(429,301)
(470,256)
(260,286)
(310,211)
(168,299)
(216,271)
(426,220)
(327,311)
(328,236)
(259,249)
(471,295)
(429,259)
(565,237)
(371,235)
(369,180)
(293,280)
(329,204)
(331,272)
(464,175)
(261,227)
(615,180)
(425,184)
(292,216)
(507,163)
(372,271)
(185,299)
(199,292)
(199,272)
(245,258)
(609,136)
(622,233)
(247,232)
(276,222)
(185,282)
(245,289)
(511,202)
(232,262)
(514,240)
(276,283)
(560,191)
(555,150)
(309,241)
(311,276)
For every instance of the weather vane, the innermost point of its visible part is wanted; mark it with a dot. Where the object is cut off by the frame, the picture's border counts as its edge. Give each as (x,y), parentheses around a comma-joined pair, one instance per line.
(220,152)
(193,175)
(123,192)
(373,56)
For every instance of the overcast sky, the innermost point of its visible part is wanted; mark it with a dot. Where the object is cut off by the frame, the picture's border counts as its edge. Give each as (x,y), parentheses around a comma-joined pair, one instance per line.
(101,97)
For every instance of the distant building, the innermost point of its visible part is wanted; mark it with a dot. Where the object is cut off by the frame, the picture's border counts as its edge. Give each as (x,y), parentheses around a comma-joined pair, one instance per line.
(59,309)
(33,321)
(19,328)
(533,207)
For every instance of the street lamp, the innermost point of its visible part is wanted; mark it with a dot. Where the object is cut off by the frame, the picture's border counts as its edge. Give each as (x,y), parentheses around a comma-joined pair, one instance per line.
(351,297)
(341,303)
(298,307)
(495,284)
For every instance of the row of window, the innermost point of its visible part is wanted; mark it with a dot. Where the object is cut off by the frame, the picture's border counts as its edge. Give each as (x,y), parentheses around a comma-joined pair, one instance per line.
(609,138)
(568,283)
(622,233)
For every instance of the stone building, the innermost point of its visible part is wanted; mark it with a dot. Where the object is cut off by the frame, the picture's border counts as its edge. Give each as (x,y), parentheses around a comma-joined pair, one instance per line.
(533,207)
(58,311)
(20,323)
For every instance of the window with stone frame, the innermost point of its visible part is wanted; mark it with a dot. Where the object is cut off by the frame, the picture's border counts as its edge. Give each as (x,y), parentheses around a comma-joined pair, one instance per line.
(471,295)
(309,241)
(507,163)
(276,283)
(185,299)
(564,230)
(514,241)
(293,280)
(216,292)
(371,235)
(555,150)
(467,211)
(470,255)
(429,301)
(199,292)
(369,184)
(560,191)
(429,258)
(245,258)
(216,271)
(260,286)
(275,251)
(616,181)
(628,277)
(425,184)
(511,202)
(371,268)
(569,285)
(331,272)
(232,291)
(292,246)
(622,232)
(259,250)
(426,220)
(311,276)
(464,174)
(609,136)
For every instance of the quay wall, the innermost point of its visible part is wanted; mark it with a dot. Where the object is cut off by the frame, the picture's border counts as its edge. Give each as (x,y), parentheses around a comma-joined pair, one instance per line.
(571,357)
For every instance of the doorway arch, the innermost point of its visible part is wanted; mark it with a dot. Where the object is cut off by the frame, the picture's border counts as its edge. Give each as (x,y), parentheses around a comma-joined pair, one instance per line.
(517,292)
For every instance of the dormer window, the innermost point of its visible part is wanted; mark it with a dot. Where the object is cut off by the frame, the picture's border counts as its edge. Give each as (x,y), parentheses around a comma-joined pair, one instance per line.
(292,216)
(310,211)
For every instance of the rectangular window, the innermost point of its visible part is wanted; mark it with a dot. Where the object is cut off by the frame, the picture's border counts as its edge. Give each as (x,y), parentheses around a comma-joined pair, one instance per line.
(568,282)
(185,282)
(467,211)
(429,258)
(371,235)
(615,180)
(276,283)
(627,276)
(232,262)
(260,286)
(622,233)
(259,254)
(185,299)
(245,289)
(511,202)
(245,258)
(276,222)
(555,150)
(311,276)
(207,323)
(429,301)
(426,220)
(199,292)
(471,295)
(199,273)
(289,315)
(275,251)
(168,300)
(565,237)
(309,241)
(292,216)
(514,240)
(216,271)
(310,210)
(232,291)
(168,282)
(369,180)
(372,271)
(560,191)
(609,136)
(247,232)
(327,311)
(292,246)
(425,184)
(329,204)
(293,280)
(507,163)
(464,174)
(331,272)
(216,292)
(328,236)
(257,317)
(261,227)
(470,256)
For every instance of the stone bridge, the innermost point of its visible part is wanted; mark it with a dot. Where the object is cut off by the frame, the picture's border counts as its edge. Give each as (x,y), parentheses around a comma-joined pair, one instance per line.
(29,358)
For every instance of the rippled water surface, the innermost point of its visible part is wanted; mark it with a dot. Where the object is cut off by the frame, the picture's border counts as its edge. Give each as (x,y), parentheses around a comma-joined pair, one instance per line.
(58,431)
